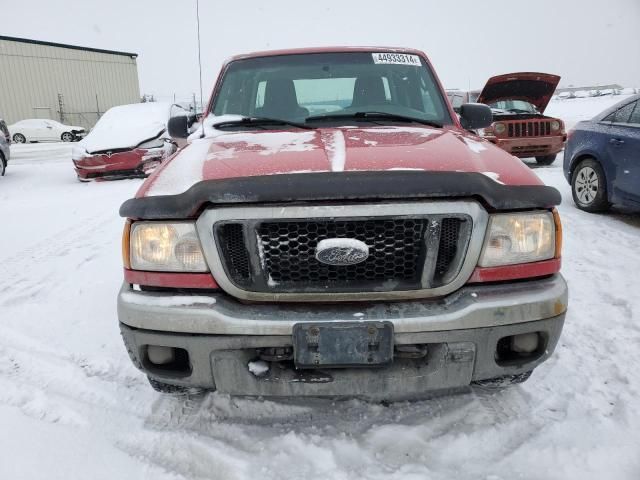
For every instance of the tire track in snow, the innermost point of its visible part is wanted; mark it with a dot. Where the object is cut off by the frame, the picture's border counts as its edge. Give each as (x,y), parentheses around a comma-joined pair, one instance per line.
(31,272)
(34,369)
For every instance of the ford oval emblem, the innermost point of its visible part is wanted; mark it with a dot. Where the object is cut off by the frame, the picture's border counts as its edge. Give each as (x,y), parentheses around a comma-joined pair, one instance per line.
(341,251)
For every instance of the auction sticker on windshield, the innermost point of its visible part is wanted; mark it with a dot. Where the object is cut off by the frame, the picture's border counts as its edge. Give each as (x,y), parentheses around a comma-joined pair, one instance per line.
(395,59)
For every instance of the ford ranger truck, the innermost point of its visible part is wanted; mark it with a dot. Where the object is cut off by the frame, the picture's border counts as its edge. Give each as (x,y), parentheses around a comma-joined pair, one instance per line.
(333,229)
(518,101)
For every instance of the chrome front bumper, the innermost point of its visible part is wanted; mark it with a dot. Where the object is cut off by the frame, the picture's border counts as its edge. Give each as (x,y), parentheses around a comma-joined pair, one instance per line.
(221,336)
(474,306)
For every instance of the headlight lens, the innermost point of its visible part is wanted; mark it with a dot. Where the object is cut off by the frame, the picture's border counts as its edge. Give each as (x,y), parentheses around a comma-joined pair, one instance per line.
(166,247)
(519,238)
(555,125)
(499,128)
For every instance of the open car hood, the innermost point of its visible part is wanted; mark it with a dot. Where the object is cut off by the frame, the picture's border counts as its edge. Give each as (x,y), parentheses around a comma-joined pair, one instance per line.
(532,87)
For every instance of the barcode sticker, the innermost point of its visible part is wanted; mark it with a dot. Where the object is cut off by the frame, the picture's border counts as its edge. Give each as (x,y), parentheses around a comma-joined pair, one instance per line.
(395,59)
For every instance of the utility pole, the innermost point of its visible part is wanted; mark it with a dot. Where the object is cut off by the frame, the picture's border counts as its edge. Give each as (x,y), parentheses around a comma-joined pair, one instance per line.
(195,109)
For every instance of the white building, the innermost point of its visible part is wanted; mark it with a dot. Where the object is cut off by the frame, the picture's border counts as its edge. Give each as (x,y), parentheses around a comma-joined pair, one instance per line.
(71,84)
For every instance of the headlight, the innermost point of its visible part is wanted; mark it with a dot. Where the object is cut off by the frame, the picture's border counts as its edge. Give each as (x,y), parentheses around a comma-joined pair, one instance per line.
(519,238)
(499,128)
(166,247)
(555,125)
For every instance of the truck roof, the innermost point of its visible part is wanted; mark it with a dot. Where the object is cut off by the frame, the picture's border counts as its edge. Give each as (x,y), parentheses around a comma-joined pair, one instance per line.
(298,51)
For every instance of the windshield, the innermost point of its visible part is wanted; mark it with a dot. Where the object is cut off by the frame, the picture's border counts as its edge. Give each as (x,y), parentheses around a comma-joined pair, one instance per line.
(515,106)
(296,87)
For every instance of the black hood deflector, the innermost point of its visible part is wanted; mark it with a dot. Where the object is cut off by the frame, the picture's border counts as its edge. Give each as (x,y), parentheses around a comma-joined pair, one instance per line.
(341,186)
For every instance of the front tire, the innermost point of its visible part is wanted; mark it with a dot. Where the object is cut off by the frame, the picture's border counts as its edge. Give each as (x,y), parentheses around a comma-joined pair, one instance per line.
(67,137)
(546,159)
(166,388)
(589,187)
(499,383)
(19,138)
(3,165)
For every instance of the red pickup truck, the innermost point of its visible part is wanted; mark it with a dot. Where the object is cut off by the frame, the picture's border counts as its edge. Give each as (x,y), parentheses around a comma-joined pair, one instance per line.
(333,229)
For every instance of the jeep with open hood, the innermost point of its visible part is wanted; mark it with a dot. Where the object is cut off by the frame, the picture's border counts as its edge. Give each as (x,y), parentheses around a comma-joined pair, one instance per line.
(518,102)
(332,228)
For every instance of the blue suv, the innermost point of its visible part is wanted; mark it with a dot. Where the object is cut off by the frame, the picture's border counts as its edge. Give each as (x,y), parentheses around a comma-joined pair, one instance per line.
(602,158)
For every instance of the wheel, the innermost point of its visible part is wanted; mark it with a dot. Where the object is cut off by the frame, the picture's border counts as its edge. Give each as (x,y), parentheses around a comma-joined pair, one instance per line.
(546,159)
(67,137)
(3,165)
(166,388)
(589,187)
(504,381)
(19,138)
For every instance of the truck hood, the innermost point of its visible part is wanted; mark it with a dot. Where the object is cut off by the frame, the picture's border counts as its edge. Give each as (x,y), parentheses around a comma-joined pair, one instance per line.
(532,87)
(345,149)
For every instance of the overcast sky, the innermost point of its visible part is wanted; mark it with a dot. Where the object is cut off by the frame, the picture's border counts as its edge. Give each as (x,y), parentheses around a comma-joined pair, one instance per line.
(584,41)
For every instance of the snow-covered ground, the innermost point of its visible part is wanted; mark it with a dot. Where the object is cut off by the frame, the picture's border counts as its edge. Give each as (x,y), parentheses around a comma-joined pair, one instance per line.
(30,153)
(573,110)
(73,407)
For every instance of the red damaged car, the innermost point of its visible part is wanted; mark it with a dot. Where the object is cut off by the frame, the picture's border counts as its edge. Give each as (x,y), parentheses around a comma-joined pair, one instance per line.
(333,229)
(128,141)
(518,102)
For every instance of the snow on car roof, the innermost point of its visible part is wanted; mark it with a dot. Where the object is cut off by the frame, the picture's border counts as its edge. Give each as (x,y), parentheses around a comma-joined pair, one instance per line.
(127,126)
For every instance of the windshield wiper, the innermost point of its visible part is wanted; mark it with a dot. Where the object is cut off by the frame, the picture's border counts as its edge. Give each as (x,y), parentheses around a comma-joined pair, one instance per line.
(257,121)
(373,116)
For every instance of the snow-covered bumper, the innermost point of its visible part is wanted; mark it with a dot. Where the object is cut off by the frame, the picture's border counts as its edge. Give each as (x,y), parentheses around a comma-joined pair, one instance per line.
(439,344)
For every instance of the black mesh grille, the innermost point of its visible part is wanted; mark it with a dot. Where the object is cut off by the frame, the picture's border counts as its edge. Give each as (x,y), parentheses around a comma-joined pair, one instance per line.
(449,243)
(280,255)
(234,250)
(395,248)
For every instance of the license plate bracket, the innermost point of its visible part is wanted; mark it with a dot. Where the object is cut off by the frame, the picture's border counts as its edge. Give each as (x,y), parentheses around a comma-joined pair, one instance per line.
(342,344)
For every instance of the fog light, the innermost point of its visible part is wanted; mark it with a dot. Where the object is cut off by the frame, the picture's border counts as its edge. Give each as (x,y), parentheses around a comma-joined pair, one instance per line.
(160,355)
(525,343)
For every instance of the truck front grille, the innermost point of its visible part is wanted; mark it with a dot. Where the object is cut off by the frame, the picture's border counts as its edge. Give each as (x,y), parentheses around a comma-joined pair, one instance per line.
(529,128)
(405,253)
(395,250)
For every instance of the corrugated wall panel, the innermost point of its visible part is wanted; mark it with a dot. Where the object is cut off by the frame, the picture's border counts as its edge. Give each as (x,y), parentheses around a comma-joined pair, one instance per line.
(33,75)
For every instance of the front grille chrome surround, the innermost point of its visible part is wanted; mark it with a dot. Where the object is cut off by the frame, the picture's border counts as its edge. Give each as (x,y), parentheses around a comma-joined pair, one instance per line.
(418,250)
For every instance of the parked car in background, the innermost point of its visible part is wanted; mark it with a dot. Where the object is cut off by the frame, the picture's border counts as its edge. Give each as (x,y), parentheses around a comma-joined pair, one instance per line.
(518,102)
(5,152)
(127,141)
(457,97)
(378,249)
(44,130)
(602,158)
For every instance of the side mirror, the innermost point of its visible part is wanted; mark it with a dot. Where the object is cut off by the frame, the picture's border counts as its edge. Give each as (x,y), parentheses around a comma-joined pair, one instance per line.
(475,115)
(178,126)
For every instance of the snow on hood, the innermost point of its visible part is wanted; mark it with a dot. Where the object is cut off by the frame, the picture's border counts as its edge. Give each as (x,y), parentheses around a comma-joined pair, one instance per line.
(127,126)
(259,152)
(535,88)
